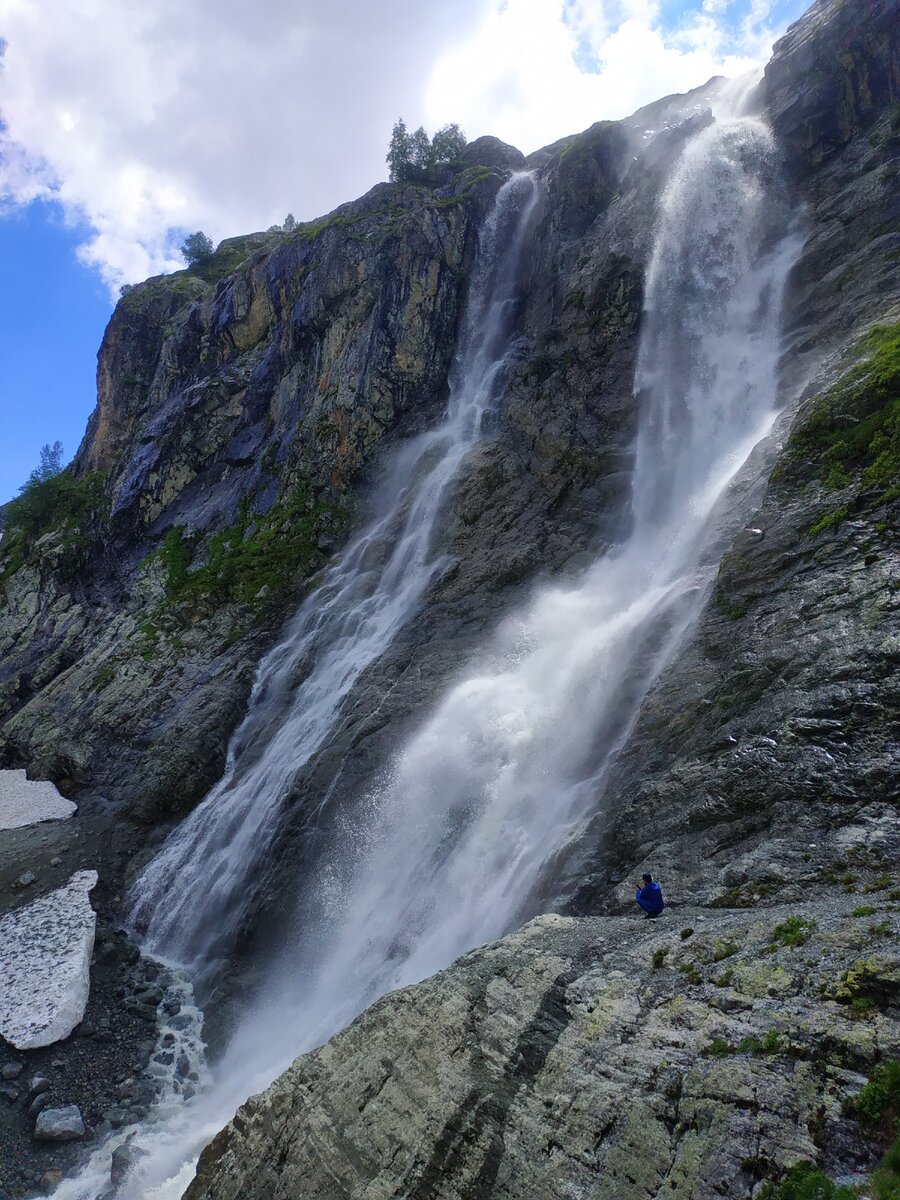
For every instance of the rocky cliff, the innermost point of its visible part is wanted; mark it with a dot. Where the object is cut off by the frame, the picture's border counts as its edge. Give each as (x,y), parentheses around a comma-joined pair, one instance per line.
(243,409)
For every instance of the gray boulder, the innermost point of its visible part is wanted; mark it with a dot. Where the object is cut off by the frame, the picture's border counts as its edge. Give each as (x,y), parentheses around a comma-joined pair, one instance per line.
(59,1124)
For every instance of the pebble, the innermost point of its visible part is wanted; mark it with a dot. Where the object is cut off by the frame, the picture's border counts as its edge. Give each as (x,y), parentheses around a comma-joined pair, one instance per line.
(26,880)
(50,1180)
(56,861)
(11,1070)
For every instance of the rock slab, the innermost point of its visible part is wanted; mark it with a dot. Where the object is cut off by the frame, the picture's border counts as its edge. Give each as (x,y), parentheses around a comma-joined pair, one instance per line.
(45,955)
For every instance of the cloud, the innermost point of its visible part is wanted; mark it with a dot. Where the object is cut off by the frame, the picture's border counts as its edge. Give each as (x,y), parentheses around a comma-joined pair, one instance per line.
(537,69)
(143,118)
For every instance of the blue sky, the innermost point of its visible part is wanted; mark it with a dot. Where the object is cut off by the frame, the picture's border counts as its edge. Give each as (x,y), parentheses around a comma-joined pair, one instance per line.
(53,312)
(126,122)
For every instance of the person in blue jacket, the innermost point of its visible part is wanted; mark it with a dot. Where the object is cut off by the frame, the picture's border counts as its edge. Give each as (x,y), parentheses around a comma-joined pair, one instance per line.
(650,897)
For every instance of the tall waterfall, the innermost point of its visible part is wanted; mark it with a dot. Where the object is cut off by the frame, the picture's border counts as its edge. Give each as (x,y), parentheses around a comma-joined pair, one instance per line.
(511,765)
(449,849)
(190,898)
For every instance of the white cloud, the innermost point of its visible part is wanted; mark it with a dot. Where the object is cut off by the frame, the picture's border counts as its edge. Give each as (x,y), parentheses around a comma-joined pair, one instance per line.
(142,117)
(522,75)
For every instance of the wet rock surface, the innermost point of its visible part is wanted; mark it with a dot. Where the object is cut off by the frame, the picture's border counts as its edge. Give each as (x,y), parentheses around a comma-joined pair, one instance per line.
(604,1057)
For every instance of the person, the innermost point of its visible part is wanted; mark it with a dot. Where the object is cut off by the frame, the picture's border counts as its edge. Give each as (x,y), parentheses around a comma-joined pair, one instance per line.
(650,897)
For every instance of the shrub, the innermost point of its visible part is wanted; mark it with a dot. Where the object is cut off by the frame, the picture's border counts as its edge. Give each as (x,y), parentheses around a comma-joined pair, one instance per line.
(793,932)
(717,1048)
(878,1103)
(659,957)
(805,1181)
(197,248)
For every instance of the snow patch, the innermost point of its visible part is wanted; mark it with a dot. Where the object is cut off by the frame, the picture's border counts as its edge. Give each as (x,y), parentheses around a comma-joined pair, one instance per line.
(45,958)
(26,802)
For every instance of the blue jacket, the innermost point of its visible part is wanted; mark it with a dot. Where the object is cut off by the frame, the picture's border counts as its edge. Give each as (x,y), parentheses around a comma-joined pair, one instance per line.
(650,898)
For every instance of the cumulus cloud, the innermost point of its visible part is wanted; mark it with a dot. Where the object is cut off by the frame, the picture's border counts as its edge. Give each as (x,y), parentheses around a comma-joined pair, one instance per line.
(143,118)
(537,69)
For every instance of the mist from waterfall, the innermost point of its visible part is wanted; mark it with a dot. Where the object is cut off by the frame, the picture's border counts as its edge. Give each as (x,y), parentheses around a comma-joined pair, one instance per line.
(448,850)
(189,900)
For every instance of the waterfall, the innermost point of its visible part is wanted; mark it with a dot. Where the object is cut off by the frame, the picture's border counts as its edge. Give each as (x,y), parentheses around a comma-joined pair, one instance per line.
(509,768)
(447,851)
(189,900)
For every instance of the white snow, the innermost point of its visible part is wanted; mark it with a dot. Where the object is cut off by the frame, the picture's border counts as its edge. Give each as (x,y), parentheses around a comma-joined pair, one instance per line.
(26,802)
(45,956)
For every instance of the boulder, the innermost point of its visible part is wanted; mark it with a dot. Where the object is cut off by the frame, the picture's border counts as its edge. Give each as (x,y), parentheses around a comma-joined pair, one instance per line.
(59,1124)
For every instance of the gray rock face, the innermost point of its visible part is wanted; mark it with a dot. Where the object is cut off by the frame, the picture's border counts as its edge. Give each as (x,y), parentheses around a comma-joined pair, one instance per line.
(601,1057)
(59,1124)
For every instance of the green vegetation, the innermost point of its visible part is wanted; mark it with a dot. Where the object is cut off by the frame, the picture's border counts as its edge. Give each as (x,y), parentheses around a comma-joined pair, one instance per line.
(717,1048)
(805,1182)
(732,609)
(724,950)
(830,520)
(659,957)
(197,248)
(690,972)
(886,1180)
(862,987)
(411,155)
(793,932)
(76,508)
(851,435)
(256,558)
(772,1043)
(878,1104)
(864,910)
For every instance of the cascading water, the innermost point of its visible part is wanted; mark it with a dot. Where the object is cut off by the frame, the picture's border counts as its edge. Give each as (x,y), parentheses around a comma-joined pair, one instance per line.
(449,851)
(190,898)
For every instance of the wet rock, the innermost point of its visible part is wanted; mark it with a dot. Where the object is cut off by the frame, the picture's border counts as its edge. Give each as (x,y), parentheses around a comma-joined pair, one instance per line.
(60,1124)
(50,1180)
(123,1159)
(38,1104)
(11,1070)
(572,1064)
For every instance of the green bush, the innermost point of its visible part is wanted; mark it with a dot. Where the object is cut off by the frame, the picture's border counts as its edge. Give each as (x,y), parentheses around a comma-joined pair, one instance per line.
(805,1182)
(879,1101)
(717,1048)
(793,932)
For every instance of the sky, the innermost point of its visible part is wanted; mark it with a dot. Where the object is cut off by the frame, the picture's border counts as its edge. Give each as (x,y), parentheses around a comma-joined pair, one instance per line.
(125,124)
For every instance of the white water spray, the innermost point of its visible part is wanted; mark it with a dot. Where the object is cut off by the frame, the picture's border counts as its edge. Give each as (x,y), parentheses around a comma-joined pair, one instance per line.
(191,897)
(511,765)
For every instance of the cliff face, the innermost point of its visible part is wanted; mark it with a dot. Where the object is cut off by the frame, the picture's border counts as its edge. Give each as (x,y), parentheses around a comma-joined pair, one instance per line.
(237,408)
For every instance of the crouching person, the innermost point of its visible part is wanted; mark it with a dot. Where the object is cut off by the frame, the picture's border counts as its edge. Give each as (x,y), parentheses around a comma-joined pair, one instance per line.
(649,896)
